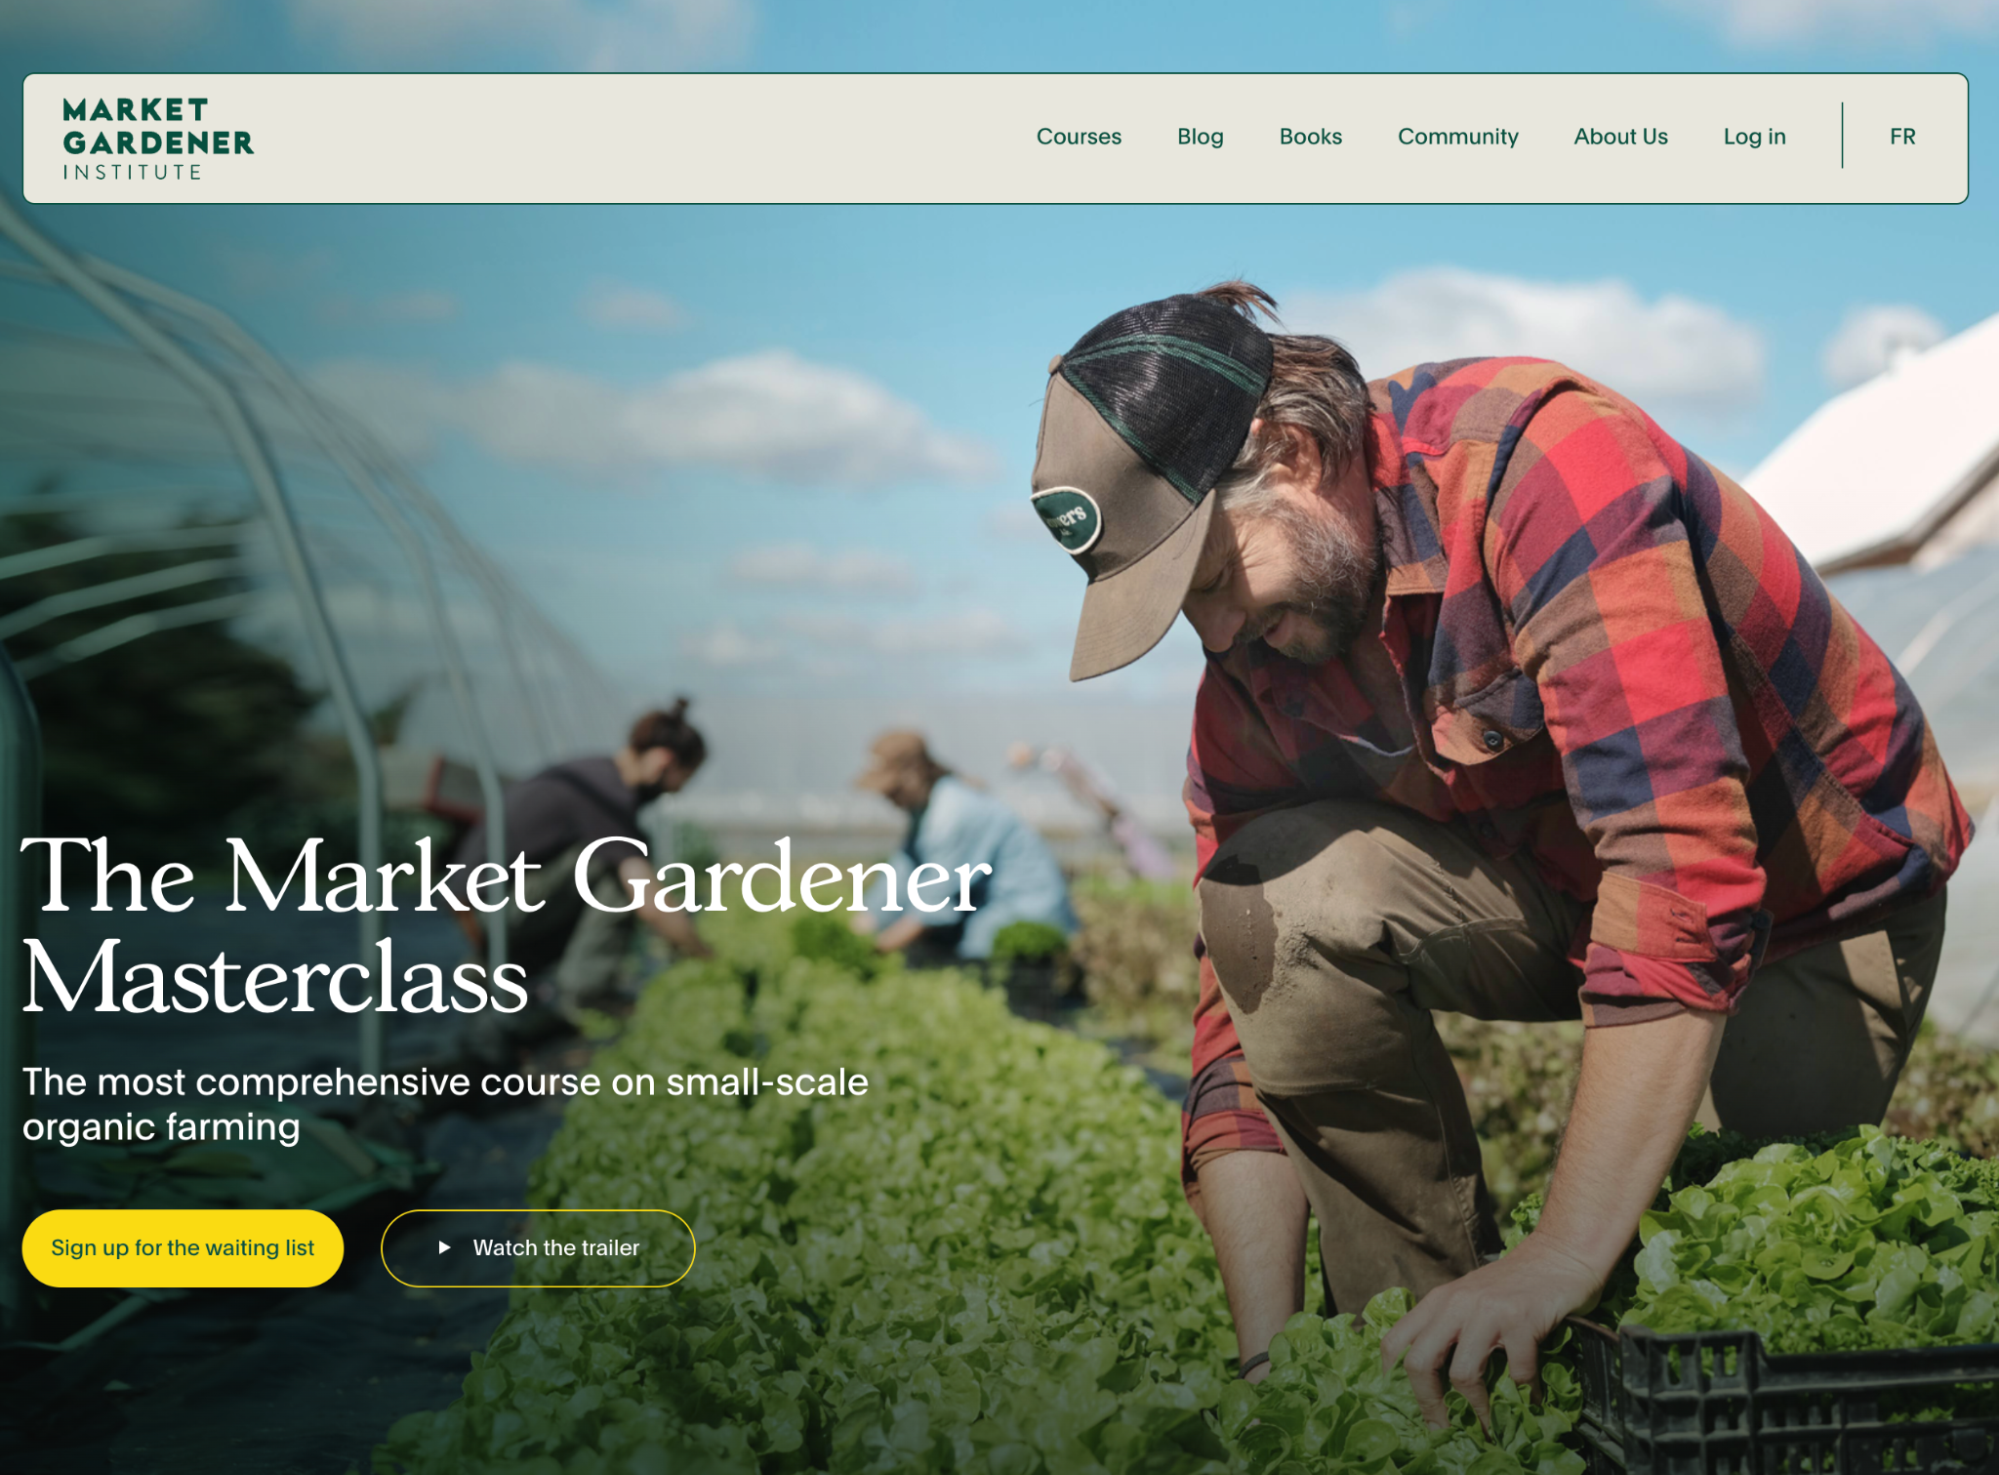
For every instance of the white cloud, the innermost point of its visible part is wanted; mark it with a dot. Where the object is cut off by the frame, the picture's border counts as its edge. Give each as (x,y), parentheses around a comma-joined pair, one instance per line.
(405,406)
(727,645)
(636,309)
(773,413)
(975,632)
(635,35)
(849,571)
(1673,352)
(1766,22)
(1870,338)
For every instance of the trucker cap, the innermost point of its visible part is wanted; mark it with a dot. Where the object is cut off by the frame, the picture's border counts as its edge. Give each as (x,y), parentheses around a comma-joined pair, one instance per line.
(1143,416)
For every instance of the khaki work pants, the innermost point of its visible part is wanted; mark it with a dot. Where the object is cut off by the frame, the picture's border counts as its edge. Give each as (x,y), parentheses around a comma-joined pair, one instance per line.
(1337,928)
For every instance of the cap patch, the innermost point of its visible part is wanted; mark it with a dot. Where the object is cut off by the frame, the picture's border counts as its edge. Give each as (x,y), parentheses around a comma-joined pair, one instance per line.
(1072,515)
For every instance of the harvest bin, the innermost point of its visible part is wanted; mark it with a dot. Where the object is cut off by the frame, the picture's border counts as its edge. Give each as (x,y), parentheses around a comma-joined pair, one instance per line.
(1715,1403)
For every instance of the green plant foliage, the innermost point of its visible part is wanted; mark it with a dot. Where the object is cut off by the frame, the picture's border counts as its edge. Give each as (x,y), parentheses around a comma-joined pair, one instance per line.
(828,939)
(1859,1241)
(1136,951)
(984,1264)
(1949,1090)
(1329,1405)
(1029,942)
(1518,1080)
(695,846)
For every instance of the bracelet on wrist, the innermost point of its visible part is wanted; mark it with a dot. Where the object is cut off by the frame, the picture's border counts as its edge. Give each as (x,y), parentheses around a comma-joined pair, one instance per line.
(1251,1364)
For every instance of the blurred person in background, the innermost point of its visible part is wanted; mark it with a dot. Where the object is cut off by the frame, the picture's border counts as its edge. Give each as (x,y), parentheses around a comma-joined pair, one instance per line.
(572,953)
(953,824)
(1143,855)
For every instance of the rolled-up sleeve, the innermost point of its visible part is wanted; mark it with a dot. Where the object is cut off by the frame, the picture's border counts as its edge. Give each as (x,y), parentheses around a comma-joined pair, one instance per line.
(1589,550)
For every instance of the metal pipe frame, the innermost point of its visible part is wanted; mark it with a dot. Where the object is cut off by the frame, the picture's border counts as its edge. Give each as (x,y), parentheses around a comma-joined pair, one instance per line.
(332,439)
(133,627)
(117,591)
(242,435)
(511,607)
(20,817)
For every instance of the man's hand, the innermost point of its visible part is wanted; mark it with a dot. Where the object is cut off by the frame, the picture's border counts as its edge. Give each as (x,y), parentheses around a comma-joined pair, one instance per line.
(1639,1088)
(679,932)
(899,934)
(1509,1305)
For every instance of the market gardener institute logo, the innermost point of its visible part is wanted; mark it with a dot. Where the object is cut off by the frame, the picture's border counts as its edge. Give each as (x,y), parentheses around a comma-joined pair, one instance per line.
(182,136)
(1072,515)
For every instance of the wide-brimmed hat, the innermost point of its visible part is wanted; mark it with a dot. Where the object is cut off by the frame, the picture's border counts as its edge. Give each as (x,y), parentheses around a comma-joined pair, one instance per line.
(894,754)
(1143,417)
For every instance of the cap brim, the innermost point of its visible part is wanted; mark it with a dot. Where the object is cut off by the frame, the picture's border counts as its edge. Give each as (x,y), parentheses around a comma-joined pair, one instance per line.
(1127,613)
(878,779)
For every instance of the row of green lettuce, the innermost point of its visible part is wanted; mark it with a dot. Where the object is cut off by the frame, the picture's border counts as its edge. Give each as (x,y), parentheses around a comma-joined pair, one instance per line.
(982,1264)
(1854,1242)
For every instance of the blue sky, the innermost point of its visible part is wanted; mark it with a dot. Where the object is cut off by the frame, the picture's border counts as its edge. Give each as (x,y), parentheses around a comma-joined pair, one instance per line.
(784,450)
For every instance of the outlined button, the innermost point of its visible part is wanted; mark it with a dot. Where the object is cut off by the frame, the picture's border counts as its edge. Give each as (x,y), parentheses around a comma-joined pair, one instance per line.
(155,1249)
(553,1249)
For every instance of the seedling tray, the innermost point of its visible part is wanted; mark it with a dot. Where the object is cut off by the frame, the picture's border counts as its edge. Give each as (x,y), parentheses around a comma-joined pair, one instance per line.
(1715,1403)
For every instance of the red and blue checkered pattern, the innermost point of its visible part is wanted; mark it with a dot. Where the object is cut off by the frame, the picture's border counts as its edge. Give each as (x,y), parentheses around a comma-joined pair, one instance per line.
(1580,610)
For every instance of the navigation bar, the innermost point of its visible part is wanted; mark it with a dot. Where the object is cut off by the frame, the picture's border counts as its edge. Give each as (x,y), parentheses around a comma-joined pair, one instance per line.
(903,138)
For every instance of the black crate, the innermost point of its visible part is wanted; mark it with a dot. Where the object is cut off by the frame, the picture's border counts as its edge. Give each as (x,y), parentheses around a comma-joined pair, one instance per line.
(1715,1403)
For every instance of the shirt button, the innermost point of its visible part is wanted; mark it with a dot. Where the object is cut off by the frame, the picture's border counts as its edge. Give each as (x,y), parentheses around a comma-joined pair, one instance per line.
(1494,740)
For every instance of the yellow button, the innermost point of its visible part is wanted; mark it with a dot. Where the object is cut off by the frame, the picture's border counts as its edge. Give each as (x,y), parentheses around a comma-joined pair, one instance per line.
(156,1248)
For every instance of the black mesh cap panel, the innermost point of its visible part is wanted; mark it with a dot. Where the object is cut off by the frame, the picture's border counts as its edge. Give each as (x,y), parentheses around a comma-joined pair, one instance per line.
(1179,379)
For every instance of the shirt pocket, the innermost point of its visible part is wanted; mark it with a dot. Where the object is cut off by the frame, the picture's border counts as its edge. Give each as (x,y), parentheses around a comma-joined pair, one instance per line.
(1495,719)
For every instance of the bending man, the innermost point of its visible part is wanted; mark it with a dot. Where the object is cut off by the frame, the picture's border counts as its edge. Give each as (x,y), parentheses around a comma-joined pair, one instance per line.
(1512,706)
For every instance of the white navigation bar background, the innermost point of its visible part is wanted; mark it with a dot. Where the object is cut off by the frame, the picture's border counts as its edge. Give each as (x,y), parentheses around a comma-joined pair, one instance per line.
(709,138)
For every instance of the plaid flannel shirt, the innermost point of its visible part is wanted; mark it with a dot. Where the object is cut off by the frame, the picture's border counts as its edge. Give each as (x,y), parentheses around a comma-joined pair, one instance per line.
(1596,650)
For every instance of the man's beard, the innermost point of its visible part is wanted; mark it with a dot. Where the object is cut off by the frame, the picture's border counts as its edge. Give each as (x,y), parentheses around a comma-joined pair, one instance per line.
(1340,576)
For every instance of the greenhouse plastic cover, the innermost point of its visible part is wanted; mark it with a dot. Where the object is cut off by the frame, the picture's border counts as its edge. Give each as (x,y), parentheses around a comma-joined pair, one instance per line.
(1870,463)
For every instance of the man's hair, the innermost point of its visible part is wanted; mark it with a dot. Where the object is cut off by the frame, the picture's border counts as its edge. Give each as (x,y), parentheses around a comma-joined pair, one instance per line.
(1314,384)
(670,730)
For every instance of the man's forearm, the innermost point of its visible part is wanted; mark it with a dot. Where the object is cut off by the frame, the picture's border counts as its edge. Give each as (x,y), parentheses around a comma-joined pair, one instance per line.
(899,934)
(1639,1089)
(1255,1212)
(677,930)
